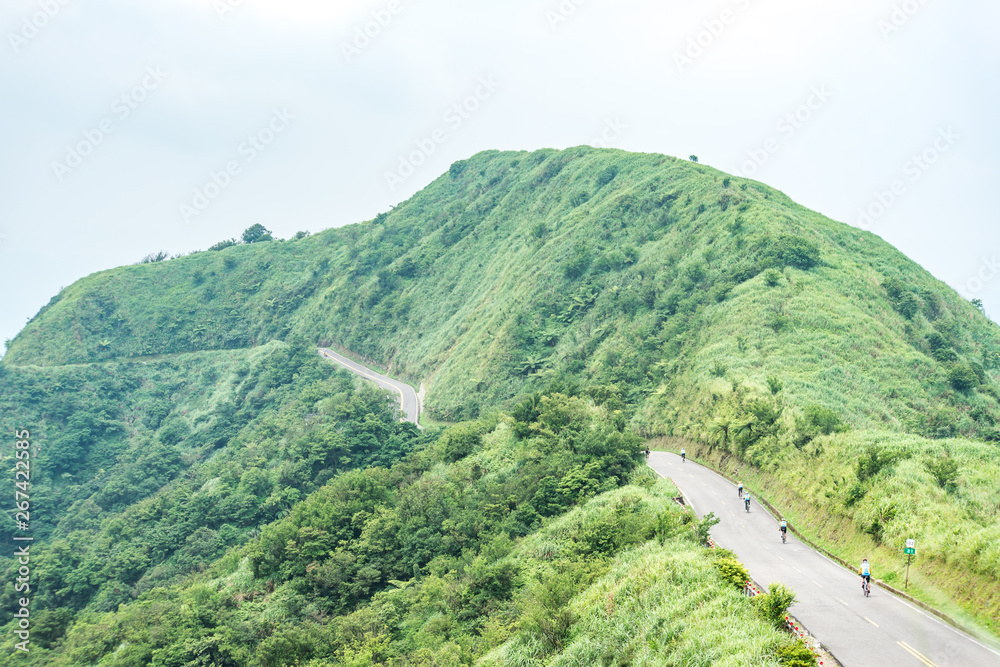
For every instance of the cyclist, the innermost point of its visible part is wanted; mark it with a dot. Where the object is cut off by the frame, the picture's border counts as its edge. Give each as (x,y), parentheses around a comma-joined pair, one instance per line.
(647,452)
(746,501)
(683,455)
(783,529)
(866,572)
(740,489)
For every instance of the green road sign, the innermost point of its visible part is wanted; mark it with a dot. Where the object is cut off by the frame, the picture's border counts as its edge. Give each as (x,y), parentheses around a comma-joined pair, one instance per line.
(909,552)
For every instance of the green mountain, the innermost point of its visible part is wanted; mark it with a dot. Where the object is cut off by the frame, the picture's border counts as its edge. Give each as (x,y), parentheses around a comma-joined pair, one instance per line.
(197,453)
(632,272)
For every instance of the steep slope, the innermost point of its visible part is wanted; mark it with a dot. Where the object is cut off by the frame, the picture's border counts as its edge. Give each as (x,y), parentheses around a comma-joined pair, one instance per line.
(625,273)
(674,299)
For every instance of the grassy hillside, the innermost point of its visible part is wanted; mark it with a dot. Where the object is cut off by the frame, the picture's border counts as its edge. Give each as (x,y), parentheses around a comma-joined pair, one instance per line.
(674,299)
(144,472)
(444,558)
(637,273)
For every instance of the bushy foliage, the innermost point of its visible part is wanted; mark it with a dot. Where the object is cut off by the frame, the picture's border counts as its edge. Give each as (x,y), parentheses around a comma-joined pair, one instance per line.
(945,472)
(773,605)
(256,234)
(732,571)
(796,654)
(794,251)
(874,460)
(146,505)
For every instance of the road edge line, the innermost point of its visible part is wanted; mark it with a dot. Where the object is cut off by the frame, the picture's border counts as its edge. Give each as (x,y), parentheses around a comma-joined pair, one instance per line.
(802,625)
(375,377)
(900,595)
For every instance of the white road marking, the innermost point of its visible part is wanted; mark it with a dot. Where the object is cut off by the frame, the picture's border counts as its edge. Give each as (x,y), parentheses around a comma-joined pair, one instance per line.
(936,621)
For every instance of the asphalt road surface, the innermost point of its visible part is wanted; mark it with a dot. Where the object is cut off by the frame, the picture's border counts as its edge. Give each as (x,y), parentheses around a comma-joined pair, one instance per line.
(882,630)
(409,401)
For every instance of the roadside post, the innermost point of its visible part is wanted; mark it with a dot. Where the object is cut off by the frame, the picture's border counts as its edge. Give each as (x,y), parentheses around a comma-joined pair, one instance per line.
(910,551)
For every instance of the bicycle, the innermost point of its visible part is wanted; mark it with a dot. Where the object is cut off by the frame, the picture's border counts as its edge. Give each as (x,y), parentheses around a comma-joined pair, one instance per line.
(783,537)
(865,586)
(747,503)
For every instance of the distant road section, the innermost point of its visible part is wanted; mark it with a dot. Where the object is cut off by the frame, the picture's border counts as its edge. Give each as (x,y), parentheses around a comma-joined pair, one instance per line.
(882,630)
(410,404)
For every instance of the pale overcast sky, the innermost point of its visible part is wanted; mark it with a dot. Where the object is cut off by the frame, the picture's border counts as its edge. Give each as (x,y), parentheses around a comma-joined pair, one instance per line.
(116,114)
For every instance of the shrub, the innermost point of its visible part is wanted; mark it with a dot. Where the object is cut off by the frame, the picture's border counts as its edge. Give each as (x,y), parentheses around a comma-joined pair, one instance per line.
(547,614)
(903,300)
(778,322)
(772,277)
(796,655)
(456,168)
(945,355)
(459,441)
(961,377)
(945,472)
(936,341)
(824,420)
(257,234)
(873,461)
(878,517)
(228,243)
(607,176)
(732,571)
(855,493)
(793,251)
(578,262)
(155,257)
(773,606)
(702,527)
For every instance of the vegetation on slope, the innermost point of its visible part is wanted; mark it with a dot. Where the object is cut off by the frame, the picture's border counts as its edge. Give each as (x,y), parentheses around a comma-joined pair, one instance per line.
(149,471)
(635,273)
(681,301)
(446,556)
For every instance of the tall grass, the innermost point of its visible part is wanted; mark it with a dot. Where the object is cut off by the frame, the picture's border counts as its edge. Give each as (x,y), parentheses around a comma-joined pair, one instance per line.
(657,603)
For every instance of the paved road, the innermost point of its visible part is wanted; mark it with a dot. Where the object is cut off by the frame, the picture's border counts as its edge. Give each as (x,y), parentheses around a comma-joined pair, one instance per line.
(882,630)
(409,401)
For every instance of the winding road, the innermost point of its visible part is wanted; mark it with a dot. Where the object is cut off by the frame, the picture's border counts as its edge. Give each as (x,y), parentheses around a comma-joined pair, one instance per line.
(881,630)
(410,403)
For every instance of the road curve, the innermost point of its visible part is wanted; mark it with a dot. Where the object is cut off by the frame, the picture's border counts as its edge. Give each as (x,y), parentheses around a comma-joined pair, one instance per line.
(410,405)
(881,630)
